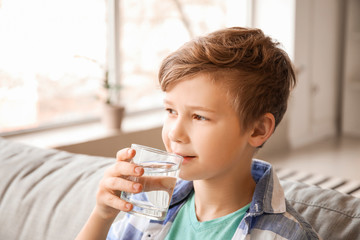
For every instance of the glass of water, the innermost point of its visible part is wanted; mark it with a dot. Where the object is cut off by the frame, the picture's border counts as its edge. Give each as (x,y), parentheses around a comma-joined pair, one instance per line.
(161,170)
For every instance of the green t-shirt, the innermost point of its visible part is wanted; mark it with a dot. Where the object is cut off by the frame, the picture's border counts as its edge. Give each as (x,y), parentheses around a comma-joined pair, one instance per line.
(186,226)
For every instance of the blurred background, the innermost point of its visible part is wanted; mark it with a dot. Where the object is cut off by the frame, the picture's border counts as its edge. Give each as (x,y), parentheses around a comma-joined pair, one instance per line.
(62,61)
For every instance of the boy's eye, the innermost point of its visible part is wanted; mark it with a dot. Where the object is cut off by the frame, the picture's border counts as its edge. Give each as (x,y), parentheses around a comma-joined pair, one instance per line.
(200,118)
(170,111)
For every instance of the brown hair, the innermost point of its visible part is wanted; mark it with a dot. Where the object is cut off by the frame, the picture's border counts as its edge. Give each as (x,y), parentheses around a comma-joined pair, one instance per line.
(256,73)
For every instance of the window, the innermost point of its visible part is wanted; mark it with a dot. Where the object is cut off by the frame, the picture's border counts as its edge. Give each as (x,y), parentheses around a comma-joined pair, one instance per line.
(53,54)
(46,76)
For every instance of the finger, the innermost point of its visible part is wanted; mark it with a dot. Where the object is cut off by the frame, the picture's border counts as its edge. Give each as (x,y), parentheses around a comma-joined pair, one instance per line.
(116,202)
(119,184)
(125,154)
(125,169)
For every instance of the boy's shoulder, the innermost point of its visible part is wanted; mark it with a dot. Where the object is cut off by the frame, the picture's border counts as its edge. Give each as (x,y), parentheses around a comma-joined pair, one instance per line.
(286,225)
(270,212)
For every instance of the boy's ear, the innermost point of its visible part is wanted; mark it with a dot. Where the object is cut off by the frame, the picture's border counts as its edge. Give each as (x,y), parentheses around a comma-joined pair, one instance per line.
(262,130)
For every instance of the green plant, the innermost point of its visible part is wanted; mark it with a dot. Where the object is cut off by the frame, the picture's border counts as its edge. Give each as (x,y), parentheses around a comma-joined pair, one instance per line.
(110,92)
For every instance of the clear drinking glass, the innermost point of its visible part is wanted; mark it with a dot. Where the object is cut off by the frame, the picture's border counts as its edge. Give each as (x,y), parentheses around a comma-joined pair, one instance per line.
(161,170)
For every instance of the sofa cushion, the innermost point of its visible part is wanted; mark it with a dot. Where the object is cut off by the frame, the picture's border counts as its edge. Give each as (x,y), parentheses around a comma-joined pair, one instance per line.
(332,214)
(46,194)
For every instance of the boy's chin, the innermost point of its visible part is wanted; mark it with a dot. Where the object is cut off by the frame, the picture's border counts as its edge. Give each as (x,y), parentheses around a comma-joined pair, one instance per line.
(185,176)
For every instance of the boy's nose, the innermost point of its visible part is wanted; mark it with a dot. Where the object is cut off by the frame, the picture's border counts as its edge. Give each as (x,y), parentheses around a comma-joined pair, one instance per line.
(178,133)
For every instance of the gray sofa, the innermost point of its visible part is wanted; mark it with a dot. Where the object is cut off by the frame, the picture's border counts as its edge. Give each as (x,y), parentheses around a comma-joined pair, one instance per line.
(48,194)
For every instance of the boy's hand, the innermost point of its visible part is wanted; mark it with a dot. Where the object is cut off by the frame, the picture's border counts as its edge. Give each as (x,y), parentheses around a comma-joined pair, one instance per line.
(115,180)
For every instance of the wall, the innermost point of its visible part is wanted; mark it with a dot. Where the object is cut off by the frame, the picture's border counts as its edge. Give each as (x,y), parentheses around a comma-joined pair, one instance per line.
(313,113)
(312,34)
(351,90)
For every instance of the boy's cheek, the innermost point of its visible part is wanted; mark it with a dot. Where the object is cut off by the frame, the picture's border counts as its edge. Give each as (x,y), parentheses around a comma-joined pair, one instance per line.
(164,135)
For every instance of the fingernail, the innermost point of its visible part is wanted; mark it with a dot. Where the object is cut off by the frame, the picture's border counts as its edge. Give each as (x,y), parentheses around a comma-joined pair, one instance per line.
(138,170)
(129,151)
(137,186)
(128,206)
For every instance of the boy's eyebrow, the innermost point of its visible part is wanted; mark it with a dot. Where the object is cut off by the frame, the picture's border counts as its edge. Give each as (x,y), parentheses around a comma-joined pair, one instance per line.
(194,107)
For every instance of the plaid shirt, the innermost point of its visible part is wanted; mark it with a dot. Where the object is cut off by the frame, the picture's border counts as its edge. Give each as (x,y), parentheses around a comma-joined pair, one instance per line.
(269,217)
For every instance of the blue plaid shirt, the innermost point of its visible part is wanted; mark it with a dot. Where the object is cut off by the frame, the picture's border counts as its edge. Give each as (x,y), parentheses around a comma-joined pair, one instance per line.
(269,217)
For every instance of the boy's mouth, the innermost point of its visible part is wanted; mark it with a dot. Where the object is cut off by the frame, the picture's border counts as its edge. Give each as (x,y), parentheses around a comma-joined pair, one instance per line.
(187,158)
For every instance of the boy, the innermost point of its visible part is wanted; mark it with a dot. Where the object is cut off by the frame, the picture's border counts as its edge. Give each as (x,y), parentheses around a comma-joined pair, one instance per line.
(225,94)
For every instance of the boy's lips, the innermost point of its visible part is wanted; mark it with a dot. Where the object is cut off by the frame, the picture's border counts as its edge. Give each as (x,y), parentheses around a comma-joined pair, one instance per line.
(187,158)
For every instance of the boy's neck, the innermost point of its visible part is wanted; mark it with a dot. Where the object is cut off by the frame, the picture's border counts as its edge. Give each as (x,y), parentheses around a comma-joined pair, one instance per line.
(219,197)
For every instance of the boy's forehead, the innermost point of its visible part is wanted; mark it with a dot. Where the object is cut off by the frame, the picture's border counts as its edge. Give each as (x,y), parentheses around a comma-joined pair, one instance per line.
(197,90)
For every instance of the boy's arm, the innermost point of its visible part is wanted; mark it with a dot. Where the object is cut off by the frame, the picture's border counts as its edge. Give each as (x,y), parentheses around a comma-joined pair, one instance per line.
(95,228)
(108,202)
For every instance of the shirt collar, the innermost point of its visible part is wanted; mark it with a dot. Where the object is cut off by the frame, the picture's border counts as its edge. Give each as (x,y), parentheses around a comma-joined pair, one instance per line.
(268,196)
(182,190)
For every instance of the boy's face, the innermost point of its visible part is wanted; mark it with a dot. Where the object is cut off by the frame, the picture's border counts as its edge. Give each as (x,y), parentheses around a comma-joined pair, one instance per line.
(203,127)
